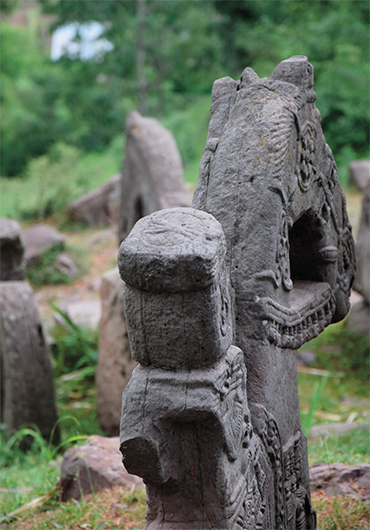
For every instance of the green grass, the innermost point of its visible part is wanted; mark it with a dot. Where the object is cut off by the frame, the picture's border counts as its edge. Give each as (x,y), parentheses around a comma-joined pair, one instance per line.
(340,395)
(341,350)
(117,508)
(349,448)
(29,476)
(341,513)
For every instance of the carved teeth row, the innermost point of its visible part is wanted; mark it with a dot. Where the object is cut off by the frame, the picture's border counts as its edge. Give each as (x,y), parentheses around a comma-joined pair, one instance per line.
(285,336)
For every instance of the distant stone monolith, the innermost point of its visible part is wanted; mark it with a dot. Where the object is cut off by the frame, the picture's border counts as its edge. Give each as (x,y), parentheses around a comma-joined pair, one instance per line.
(152,173)
(152,179)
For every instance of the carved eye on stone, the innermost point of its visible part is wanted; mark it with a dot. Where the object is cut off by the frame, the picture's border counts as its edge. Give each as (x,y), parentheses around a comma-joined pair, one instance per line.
(224,314)
(325,212)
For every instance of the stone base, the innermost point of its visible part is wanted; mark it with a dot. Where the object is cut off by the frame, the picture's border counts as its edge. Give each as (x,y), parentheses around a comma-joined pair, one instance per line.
(92,467)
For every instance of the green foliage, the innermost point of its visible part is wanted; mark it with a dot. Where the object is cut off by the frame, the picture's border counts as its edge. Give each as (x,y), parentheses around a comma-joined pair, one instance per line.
(42,270)
(182,46)
(307,418)
(52,181)
(340,349)
(13,449)
(26,474)
(190,127)
(8,6)
(44,103)
(75,348)
(350,448)
(187,45)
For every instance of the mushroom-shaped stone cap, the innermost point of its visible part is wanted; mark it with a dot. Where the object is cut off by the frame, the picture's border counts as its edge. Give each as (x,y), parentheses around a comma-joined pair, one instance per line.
(173,250)
(11,251)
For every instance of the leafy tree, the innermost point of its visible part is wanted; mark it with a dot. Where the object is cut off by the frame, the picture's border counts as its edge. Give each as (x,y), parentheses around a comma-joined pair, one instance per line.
(335,38)
(8,6)
(168,53)
(44,102)
(183,51)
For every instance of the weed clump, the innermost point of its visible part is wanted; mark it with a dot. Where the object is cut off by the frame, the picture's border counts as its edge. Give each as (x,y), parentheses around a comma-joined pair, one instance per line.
(44,269)
(75,348)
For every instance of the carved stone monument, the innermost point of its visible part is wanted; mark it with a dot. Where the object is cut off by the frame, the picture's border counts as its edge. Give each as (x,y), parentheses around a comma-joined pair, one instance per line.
(218,298)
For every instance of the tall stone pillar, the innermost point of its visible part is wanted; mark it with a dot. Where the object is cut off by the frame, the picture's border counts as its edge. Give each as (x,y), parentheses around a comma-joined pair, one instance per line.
(26,373)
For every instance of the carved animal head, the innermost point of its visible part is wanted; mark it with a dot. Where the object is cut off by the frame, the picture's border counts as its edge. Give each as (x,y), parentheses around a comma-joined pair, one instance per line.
(269,177)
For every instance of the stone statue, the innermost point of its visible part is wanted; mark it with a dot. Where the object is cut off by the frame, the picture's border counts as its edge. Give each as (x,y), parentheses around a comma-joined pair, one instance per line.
(26,374)
(219,296)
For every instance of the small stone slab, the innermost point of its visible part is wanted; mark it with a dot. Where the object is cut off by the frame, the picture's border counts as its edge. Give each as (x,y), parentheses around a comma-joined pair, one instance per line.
(115,364)
(11,251)
(152,172)
(39,239)
(359,318)
(362,280)
(92,467)
(84,312)
(359,174)
(341,479)
(64,263)
(98,207)
(306,357)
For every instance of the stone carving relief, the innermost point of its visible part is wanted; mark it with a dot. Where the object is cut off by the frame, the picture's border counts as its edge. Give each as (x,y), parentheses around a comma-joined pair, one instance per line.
(217,299)
(307,170)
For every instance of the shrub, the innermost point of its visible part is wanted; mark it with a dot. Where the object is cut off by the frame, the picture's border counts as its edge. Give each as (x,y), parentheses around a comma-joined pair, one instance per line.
(76,347)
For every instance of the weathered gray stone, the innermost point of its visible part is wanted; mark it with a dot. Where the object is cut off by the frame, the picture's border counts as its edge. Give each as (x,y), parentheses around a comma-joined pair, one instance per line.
(115,363)
(210,418)
(92,467)
(152,173)
(26,375)
(39,239)
(12,261)
(85,312)
(98,207)
(358,319)
(306,357)
(187,266)
(359,174)
(341,479)
(362,280)
(64,263)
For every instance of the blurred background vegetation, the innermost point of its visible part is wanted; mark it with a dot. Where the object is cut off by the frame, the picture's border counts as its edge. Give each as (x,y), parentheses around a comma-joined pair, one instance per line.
(66,117)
